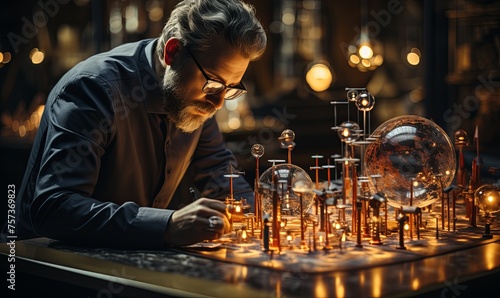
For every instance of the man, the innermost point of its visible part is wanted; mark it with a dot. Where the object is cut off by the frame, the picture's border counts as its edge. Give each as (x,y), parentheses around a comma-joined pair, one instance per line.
(121,129)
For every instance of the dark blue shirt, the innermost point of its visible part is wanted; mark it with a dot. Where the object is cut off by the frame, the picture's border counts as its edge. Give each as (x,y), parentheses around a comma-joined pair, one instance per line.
(106,162)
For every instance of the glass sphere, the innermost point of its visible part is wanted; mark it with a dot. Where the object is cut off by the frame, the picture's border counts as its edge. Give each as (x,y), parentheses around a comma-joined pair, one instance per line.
(488,198)
(287,135)
(365,101)
(461,138)
(288,182)
(257,150)
(286,139)
(415,159)
(348,131)
(351,95)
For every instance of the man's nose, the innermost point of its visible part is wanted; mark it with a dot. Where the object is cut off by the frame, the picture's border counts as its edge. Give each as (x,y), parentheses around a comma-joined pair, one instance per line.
(217,99)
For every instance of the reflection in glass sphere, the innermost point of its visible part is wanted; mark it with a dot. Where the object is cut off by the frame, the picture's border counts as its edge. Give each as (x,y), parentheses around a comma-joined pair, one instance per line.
(412,153)
(488,198)
(257,150)
(288,181)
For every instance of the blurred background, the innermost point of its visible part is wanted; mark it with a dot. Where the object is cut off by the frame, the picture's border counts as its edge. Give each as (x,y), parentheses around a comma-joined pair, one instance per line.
(436,59)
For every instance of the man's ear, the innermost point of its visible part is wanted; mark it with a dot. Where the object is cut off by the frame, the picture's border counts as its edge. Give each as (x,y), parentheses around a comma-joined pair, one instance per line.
(172,46)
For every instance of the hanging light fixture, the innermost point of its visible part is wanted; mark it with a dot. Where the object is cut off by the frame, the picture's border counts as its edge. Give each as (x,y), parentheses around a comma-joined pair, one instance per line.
(319,74)
(364,53)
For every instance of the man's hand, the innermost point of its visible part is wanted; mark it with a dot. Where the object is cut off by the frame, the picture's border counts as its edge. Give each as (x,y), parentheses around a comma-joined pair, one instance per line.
(204,219)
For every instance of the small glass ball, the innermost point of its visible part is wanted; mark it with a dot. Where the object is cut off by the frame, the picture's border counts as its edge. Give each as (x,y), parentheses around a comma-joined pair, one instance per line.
(365,101)
(257,150)
(487,198)
(348,131)
(351,95)
(287,135)
(461,138)
(286,139)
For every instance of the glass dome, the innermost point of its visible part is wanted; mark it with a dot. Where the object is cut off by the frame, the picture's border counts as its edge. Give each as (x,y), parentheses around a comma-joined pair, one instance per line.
(414,159)
(289,182)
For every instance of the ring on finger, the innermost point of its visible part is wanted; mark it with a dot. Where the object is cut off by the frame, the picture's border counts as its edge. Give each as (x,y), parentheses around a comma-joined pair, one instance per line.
(212,222)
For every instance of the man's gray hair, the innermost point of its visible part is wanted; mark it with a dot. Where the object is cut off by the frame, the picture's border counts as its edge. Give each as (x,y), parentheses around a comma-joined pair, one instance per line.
(200,23)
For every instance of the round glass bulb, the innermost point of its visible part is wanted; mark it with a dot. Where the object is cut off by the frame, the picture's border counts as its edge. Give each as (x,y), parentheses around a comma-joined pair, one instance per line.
(348,131)
(257,150)
(487,198)
(411,149)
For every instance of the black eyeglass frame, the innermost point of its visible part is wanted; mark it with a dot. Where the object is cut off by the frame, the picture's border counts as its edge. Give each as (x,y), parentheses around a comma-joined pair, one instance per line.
(238,89)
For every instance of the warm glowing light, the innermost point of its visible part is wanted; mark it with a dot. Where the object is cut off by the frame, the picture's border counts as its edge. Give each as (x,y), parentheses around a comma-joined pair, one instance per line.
(407,226)
(321,289)
(413,58)
(15,126)
(319,77)
(22,131)
(131,18)
(354,59)
(155,11)
(6,57)
(377,283)
(115,20)
(231,105)
(249,122)
(365,52)
(234,123)
(238,208)
(36,56)
(490,257)
(244,234)
(288,17)
(378,60)
(487,198)
(415,284)
(339,287)
(366,63)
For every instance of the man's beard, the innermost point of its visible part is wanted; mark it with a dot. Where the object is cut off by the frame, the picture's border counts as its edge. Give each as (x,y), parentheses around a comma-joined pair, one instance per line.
(177,107)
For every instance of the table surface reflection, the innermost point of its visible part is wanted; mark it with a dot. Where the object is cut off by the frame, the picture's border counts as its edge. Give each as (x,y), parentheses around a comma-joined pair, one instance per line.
(444,265)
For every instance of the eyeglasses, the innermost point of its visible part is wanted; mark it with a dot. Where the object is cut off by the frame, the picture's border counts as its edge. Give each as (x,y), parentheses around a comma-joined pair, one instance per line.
(214,86)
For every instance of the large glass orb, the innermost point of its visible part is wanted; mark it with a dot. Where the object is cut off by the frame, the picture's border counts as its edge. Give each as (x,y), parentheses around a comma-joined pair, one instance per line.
(488,198)
(291,184)
(415,159)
